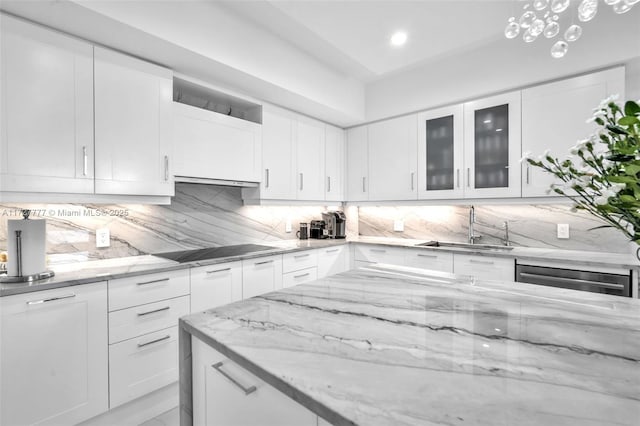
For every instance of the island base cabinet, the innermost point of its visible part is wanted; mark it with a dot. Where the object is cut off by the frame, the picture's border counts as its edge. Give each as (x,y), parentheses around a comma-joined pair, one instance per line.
(53,356)
(225,394)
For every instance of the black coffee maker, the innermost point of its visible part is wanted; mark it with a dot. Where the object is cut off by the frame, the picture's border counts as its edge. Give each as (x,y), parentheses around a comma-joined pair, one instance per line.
(336,224)
(318,229)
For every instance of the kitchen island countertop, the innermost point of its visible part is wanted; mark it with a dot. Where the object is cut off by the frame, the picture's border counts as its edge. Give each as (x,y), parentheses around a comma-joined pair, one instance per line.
(387,345)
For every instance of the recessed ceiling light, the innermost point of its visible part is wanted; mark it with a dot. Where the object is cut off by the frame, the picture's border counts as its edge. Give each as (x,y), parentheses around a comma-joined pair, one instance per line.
(399,38)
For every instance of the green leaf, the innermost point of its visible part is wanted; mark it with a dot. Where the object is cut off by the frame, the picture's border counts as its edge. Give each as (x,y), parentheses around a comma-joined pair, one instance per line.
(631,108)
(628,198)
(628,121)
(631,169)
(617,130)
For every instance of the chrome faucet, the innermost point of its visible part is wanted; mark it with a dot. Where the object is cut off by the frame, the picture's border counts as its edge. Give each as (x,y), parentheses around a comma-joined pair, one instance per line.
(472,220)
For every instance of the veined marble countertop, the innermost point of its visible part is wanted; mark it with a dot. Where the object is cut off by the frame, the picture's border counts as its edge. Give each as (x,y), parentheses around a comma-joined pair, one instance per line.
(77,273)
(401,346)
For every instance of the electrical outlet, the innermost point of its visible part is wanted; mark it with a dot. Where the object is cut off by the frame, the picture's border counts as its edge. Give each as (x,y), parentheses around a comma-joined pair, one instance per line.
(287,226)
(398,225)
(102,237)
(563,231)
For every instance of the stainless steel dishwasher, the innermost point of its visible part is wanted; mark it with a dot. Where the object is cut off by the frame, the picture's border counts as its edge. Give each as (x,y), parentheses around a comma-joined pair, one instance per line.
(595,282)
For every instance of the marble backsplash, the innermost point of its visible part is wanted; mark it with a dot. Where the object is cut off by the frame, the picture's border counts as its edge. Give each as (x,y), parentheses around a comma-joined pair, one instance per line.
(199,216)
(529,225)
(207,216)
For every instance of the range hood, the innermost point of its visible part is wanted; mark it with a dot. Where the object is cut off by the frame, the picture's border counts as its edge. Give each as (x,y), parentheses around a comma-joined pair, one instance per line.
(220,182)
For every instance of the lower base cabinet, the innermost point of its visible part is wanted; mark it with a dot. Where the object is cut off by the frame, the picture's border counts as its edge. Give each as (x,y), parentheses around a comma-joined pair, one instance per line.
(430,259)
(53,356)
(225,394)
(484,267)
(215,285)
(261,275)
(332,260)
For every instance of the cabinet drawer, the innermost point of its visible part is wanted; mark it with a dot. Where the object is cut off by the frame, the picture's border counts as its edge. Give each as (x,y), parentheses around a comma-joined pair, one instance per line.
(299,260)
(215,285)
(331,261)
(299,277)
(380,254)
(142,289)
(261,275)
(430,259)
(141,365)
(128,323)
(484,267)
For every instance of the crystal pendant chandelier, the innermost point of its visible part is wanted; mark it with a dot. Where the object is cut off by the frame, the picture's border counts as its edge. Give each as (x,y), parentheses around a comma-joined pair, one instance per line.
(540,18)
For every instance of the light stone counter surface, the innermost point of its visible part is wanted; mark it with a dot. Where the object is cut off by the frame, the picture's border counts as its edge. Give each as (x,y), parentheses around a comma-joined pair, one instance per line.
(77,273)
(401,346)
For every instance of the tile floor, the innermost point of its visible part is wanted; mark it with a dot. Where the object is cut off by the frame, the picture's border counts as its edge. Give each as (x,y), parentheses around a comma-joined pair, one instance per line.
(168,418)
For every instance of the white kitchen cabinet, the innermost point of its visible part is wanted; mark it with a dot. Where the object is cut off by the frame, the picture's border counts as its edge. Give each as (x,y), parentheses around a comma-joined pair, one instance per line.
(334,163)
(47,110)
(53,363)
(299,277)
(492,147)
(553,118)
(332,260)
(299,260)
(441,153)
(484,267)
(357,164)
(133,128)
(225,394)
(278,157)
(215,146)
(261,275)
(392,159)
(215,285)
(380,254)
(430,259)
(143,364)
(147,288)
(310,159)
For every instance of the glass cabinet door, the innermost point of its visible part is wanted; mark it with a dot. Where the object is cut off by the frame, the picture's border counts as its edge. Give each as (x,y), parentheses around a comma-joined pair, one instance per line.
(440,153)
(492,147)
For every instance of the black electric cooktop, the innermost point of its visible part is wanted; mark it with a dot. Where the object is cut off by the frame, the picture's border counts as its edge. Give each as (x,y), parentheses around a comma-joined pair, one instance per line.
(184,256)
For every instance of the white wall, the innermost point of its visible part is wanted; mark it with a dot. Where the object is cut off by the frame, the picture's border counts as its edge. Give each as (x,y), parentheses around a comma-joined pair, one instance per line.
(507,64)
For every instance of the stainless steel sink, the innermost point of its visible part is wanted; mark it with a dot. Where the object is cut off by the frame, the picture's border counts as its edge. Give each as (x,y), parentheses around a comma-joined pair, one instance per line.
(464,245)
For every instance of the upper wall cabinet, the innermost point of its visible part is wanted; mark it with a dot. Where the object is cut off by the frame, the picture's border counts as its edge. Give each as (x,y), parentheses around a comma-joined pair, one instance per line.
(357,164)
(47,110)
(441,153)
(334,164)
(492,147)
(553,118)
(209,145)
(392,159)
(310,145)
(133,128)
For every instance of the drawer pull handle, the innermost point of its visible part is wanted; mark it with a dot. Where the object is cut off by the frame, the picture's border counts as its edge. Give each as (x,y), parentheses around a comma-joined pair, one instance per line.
(247,391)
(480,261)
(378,250)
(332,251)
(219,270)
(51,299)
(263,263)
(430,256)
(301,255)
(153,282)
(142,345)
(166,308)
(300,276)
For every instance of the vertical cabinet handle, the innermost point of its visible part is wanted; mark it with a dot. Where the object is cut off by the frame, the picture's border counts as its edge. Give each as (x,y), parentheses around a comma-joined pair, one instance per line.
(301,181)
(166,167)
(328,183)
(412,176)
(266,178)
(85,160)
(218,367)
(364,184)
(458,178)
(527,174)
(468,177)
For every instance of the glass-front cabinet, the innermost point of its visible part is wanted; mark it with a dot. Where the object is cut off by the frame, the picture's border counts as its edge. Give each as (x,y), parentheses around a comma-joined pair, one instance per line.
(492,147)
(440,153)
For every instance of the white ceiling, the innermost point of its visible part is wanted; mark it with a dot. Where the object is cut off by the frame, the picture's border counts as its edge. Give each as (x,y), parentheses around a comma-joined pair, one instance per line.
(353,36)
